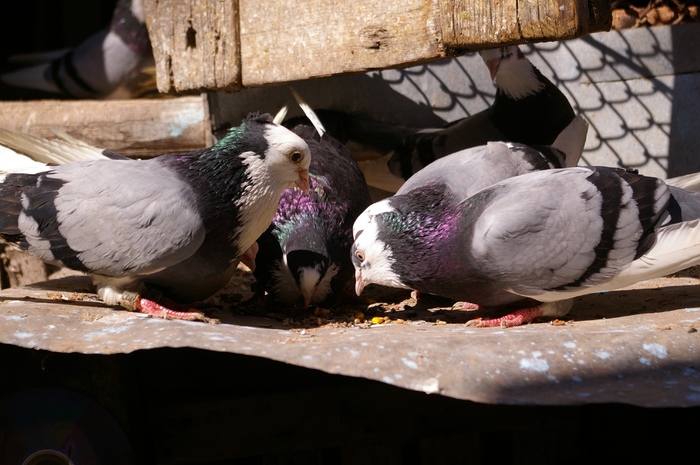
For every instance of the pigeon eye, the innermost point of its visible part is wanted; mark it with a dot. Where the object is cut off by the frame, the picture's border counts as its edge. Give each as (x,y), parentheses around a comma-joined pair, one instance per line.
(296,157)
(359,255)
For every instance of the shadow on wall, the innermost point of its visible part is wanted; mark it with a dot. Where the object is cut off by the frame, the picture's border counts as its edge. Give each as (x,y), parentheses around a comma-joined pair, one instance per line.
(641,99)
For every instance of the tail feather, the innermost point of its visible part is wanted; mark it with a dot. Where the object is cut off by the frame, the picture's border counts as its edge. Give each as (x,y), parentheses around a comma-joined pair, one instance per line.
(11,205)
(676,248)
(281,114)
(309,112)
(572,140)
(689,182)
(378,175)
(57,151)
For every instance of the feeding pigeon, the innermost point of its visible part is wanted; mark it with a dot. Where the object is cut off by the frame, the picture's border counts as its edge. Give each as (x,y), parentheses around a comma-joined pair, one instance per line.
(100,67)
(528,108)
(543,237)
(174,225)
(305,254)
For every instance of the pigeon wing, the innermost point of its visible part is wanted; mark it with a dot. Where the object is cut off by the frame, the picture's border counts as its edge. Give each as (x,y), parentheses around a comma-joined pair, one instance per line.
(566,230)
(115,218)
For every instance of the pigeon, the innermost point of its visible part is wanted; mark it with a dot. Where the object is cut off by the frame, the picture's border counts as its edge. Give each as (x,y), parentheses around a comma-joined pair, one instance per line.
(108,64)
(470,170)
(157,233)
(304,256)
(528,108)
(533,242)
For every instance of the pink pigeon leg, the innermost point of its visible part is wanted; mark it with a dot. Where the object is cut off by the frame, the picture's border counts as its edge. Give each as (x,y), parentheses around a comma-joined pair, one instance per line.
(167,310)
(516,318)
(466,306)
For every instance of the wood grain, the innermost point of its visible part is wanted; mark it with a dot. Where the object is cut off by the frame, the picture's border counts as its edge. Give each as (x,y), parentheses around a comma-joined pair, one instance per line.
(132,127)
(285,41)
(196,44)
(228,45)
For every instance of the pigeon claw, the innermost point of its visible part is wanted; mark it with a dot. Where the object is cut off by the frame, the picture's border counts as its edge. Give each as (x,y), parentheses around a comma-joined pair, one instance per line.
(133,302)
(517,318)
(465,306)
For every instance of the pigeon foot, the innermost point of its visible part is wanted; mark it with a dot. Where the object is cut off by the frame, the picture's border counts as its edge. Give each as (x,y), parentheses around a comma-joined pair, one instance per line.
(516,318)
(132,301)
(465,306)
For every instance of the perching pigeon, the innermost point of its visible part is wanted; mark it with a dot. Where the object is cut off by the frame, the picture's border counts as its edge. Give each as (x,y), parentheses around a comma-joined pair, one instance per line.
(305,254)
(473,169)
(528,109)
(176,224)
(546,236)
(99,66)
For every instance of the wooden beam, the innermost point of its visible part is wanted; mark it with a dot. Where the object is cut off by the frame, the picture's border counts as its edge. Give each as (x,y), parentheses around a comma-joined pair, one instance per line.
(143,127)
(196,44)
(227,45)
(286,41)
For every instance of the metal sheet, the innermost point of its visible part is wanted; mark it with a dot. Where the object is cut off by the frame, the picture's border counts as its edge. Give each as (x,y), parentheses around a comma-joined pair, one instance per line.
(637,347)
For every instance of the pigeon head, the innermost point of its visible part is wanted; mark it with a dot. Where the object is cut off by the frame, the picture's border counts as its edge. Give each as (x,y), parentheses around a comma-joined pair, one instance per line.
(398,240)
(512,73)
(274,155)
(243,175)
(312,274)
(371,256)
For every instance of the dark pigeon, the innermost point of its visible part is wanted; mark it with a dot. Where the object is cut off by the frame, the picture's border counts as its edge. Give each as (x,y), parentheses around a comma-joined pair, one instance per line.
(304,257)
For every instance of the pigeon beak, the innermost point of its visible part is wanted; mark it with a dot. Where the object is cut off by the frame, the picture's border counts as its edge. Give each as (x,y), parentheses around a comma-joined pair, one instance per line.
(307,300)
(492,65)
(359,283)
(303,181)
(248,257)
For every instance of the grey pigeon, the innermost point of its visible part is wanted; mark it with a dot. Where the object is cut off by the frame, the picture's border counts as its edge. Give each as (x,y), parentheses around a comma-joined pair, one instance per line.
(472,169)
(175,225)
(533,241)
(108,64)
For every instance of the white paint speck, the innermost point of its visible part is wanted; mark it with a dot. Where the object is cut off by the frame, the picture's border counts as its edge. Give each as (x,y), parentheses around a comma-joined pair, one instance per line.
(570,345)
(644,361)
(23,335)
(409,363)
(535,363)
(602,354)
(655,349)
(431,386)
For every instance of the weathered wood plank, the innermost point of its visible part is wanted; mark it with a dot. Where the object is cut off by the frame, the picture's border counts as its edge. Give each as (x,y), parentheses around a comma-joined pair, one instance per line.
(468,24)
(131,127)
(196,44)
(286,41)
(226,45)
